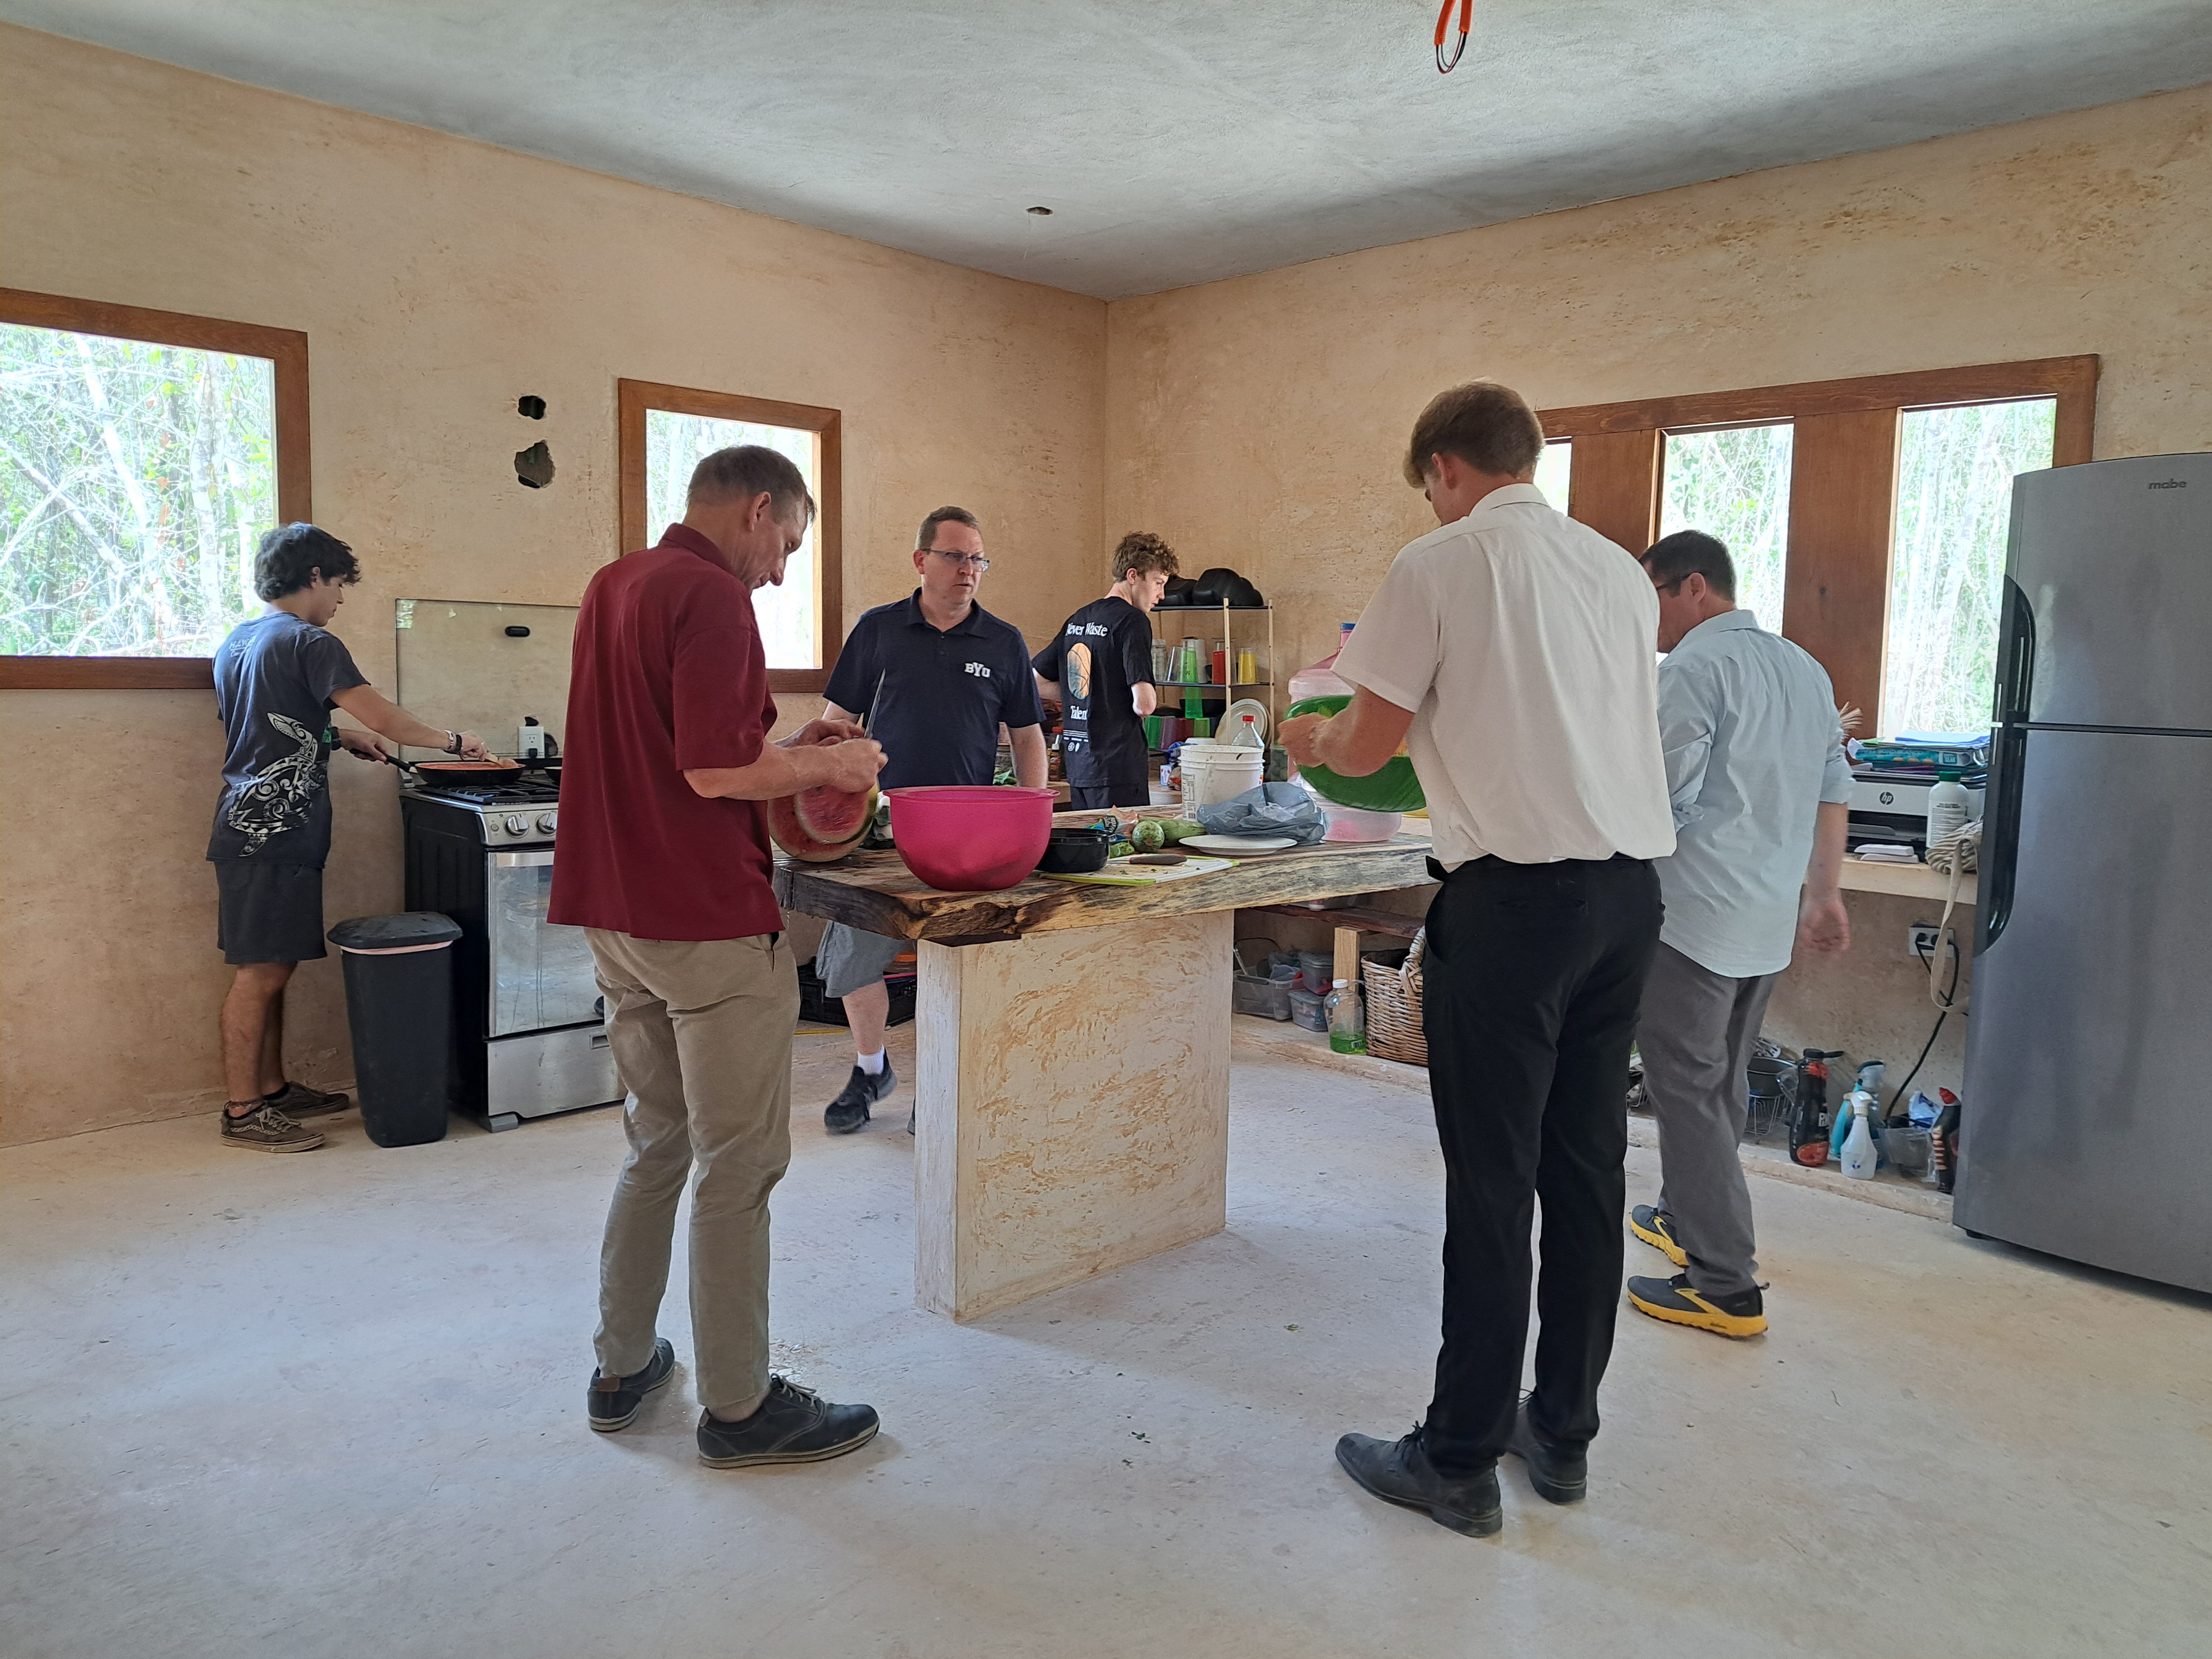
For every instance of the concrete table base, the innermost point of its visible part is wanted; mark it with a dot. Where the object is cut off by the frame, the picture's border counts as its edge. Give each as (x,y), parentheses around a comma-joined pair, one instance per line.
(1071,1106)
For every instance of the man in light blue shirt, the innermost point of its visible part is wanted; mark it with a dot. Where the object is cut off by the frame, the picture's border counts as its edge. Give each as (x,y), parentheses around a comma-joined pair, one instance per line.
(1760,784)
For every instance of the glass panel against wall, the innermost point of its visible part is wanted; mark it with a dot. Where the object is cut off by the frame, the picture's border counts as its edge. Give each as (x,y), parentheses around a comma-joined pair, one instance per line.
(1954,473)
(1553,467)
(674,444)
(467,666)
(1734,485)
(136,481)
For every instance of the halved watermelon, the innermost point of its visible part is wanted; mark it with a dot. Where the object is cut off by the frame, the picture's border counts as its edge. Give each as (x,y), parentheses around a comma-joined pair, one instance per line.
(822,823)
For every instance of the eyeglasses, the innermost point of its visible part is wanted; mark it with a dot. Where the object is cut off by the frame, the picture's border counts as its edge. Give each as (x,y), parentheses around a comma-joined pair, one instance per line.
(974,562)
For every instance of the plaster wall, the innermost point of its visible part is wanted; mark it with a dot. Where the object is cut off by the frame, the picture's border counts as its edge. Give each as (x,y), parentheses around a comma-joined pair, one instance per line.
(438,279)
(1259,423)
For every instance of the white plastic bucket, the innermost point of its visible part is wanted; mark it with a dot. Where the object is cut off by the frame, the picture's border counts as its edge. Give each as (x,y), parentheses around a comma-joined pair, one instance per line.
(1214,774)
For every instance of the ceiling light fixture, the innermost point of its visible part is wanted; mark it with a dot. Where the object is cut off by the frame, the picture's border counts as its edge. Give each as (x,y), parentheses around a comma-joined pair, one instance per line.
(1445,66)
(1042,212)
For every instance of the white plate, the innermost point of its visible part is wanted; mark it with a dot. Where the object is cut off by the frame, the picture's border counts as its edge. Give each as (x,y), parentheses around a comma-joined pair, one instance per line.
(1235,846)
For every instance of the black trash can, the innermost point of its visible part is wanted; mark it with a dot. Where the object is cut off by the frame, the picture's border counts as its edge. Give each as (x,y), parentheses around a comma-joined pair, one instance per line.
(399,1003)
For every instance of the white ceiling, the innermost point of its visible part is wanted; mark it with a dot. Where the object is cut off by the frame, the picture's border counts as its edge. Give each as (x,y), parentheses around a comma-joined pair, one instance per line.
(1176,141)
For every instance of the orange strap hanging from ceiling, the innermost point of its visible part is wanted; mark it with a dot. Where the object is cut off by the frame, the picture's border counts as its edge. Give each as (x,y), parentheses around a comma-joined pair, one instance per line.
(1446,65)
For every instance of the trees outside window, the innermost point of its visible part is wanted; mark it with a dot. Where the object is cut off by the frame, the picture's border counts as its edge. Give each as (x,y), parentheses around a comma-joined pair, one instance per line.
(136,481)
(1734,485)
(664,431)
(143,455)
(1954,473)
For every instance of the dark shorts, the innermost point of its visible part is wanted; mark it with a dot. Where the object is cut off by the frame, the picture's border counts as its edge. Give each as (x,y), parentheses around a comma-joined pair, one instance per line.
(269,912)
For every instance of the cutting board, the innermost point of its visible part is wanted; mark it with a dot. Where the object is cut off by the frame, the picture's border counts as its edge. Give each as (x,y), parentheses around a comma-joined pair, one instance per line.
(1122,873)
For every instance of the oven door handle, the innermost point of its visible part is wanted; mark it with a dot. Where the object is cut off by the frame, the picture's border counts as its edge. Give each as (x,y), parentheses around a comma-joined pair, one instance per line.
(531,860)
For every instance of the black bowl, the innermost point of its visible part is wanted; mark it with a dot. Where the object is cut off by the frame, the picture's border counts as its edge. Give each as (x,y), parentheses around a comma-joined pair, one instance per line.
(1074,852)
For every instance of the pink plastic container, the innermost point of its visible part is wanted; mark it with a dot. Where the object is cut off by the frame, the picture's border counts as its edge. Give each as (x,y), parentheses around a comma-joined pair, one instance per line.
(970,838)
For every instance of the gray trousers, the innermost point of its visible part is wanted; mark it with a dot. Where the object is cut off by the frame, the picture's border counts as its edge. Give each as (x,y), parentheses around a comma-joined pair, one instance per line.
(1695,1032)
(701,1031)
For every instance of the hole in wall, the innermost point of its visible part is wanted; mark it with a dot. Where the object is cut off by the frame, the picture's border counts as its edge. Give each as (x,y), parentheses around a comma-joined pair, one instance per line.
(534,466)
(532,407)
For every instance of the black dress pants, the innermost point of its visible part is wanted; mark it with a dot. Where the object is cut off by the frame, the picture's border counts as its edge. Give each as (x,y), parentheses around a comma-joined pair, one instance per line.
(1533,975)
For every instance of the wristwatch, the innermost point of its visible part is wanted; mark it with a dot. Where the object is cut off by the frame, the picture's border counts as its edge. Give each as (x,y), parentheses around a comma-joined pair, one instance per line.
(452,743)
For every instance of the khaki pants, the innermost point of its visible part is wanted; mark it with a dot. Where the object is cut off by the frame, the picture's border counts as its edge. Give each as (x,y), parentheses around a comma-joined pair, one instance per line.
(702,1032)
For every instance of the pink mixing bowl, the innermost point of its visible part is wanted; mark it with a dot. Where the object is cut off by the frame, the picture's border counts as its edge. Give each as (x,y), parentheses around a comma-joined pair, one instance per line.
(970,838)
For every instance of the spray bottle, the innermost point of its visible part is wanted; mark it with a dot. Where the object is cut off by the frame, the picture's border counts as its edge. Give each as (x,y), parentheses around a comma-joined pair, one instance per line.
(1860,1159)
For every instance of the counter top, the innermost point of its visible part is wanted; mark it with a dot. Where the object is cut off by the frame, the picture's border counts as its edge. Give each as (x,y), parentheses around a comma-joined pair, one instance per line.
(1912,880)
(876,891)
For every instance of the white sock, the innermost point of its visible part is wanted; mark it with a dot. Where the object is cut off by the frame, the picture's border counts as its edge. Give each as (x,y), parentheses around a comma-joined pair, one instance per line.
(872,1064)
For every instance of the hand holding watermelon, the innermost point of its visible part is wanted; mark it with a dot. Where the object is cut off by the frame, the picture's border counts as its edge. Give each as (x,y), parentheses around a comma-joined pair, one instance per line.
(829,819)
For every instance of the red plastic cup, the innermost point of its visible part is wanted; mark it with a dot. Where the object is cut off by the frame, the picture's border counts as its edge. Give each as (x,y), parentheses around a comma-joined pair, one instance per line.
(970,838)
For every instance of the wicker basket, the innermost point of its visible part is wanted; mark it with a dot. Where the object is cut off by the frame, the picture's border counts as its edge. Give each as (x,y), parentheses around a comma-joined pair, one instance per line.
(1394,1006)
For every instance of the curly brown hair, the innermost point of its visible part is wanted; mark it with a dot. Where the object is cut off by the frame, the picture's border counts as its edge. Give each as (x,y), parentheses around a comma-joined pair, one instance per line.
(1143,552)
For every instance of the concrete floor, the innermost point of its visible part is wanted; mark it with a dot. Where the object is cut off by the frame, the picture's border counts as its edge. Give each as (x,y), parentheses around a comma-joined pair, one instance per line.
(331,1405)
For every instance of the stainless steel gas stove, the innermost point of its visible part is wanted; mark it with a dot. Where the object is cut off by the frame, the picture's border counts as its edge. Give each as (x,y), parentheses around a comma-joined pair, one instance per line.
(527,1015)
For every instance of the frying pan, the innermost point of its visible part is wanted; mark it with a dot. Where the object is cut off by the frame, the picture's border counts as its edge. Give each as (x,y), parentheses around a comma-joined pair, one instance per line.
(460,771)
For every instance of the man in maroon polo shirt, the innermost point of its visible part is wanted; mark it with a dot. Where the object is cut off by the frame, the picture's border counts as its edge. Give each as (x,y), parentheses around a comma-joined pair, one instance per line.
(664,860)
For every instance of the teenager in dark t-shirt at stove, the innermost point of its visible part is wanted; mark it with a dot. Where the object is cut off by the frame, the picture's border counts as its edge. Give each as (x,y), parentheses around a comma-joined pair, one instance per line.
(934,677)
(276,679)
(1099,669)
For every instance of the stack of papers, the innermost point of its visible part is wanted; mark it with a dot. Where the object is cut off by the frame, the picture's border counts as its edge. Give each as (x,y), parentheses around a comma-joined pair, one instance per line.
(1878,852)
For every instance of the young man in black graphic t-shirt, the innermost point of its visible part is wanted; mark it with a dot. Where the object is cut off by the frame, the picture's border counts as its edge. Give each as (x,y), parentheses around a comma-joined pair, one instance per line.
(1099,669)
(276,679)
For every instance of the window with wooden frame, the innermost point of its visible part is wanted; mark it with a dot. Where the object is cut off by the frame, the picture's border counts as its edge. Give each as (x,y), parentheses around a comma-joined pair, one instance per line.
(1885,586)
(664,431)
(143,455)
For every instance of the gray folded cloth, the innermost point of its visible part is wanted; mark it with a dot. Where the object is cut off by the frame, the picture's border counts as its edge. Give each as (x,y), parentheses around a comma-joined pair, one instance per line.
(1272,809)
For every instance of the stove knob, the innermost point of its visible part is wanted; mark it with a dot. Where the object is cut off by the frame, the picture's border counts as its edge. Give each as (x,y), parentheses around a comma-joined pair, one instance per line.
(515,826)
(548,822)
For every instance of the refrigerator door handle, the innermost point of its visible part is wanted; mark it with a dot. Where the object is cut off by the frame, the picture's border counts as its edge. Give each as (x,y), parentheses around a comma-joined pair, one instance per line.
(2000,854)
(2015,655)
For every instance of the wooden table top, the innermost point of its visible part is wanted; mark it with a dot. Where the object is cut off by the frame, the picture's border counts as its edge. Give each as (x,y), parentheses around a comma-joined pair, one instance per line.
(876,891)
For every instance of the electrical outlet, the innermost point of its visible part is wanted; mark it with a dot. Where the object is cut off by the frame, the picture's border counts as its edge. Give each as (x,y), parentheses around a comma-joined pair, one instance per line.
(1921,940)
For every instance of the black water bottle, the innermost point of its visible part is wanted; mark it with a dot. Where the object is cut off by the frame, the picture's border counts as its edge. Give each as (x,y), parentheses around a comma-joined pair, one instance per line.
(1808,1116)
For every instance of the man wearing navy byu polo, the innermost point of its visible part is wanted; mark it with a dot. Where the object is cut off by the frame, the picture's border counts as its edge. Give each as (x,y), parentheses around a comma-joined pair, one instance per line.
(933,677)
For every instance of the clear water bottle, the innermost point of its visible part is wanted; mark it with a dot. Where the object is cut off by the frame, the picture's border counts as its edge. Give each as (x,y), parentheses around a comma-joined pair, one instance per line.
(1347,1021)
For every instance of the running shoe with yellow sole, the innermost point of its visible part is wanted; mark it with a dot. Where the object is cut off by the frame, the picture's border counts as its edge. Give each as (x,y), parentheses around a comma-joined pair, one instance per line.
(1677,1302)
(1656,1228)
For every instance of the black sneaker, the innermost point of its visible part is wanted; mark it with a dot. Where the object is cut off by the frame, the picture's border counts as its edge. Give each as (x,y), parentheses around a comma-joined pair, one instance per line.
(1656,1228)
(794,1424)
(1398,1472)
(850,1109)
(265,1129)
(1678,1303)
(615,1400)
(1559,1475)
(298,1100)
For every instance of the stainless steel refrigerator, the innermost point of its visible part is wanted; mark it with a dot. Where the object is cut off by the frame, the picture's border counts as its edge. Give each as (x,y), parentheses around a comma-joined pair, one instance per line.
(2087,1123)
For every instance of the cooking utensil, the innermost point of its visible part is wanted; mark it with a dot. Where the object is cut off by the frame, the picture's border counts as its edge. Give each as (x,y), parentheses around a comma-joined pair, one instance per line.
(970,838)
(1074,852)
(460,771)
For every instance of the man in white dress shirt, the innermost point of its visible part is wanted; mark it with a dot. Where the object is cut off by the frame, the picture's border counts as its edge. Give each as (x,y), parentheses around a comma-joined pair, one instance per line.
(1511,651)
(1760,788)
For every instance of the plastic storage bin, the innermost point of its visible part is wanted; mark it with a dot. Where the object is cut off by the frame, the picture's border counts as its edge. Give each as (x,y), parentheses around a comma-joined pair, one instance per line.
(399,1006)
(1306,1010)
